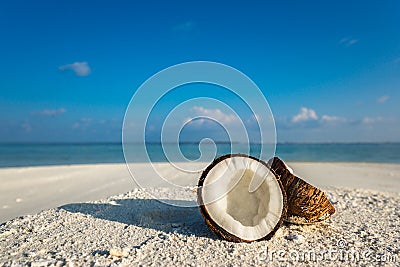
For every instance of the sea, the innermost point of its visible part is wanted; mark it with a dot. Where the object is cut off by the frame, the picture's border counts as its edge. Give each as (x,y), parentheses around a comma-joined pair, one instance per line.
(16,155)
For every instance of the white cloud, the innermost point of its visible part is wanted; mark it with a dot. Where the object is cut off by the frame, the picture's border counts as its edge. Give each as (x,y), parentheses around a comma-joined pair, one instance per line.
(309,118)
(305,115)
(80,68)
(382,99)
(52,112)
(327,118)
(371,120)
(82,122)
(213,114)
(348,41)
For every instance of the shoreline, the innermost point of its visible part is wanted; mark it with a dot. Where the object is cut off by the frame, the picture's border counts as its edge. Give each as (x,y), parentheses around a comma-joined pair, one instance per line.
(165,162)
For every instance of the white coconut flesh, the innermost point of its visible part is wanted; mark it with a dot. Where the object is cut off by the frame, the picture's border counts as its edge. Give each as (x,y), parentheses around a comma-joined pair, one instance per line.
(243,196)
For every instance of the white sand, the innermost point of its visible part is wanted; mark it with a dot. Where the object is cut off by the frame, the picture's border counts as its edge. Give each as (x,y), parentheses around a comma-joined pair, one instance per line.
(28,190)
(132,229)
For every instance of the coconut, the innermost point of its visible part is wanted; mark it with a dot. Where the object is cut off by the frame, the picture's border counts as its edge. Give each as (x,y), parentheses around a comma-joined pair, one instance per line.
(241,199)
(306,203)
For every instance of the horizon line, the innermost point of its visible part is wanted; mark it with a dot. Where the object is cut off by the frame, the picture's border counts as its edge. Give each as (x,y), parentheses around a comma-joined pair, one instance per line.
(197,142)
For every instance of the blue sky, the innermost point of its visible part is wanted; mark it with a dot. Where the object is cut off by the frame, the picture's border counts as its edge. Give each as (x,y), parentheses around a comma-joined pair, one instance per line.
(330,70)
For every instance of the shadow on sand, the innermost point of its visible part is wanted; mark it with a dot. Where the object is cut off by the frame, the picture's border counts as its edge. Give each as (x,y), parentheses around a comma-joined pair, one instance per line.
(148,213)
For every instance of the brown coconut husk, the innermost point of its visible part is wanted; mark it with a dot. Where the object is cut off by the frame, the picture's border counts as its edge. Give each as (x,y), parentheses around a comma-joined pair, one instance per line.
(306,203)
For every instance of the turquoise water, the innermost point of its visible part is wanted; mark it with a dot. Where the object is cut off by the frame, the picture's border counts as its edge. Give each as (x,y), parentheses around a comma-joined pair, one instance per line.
(60,154)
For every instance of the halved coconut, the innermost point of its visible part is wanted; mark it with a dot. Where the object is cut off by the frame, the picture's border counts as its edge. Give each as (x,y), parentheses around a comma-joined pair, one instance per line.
(240,198)
(306,203)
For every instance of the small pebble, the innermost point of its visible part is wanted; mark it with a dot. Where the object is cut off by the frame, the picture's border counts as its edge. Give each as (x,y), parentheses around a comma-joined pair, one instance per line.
(117,252)
(163,236)
(295,238)
(231,249)
(40,264)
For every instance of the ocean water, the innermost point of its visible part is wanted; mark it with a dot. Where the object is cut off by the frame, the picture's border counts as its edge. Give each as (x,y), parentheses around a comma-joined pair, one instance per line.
(12,155)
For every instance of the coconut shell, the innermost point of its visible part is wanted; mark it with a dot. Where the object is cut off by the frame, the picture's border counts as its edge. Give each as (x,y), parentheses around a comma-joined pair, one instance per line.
(214,227)
(306,203)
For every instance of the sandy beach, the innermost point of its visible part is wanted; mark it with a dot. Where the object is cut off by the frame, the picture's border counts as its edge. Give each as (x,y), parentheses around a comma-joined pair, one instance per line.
(28,190)
(95,215)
